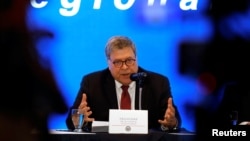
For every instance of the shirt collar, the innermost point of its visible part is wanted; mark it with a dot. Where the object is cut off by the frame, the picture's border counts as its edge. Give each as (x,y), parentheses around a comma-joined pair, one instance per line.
(118,84)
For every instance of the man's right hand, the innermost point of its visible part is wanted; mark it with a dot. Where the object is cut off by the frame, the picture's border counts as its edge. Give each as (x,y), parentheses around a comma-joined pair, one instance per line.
(85,109)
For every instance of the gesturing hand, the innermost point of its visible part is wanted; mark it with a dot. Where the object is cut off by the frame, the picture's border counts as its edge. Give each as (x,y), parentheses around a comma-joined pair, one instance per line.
(169,120)
(85,109)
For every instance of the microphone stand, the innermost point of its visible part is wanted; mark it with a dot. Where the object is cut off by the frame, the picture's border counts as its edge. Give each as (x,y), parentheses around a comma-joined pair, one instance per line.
(140,92)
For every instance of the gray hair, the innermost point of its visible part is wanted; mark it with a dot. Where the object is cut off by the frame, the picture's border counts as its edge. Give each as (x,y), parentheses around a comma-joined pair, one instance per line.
(119,42)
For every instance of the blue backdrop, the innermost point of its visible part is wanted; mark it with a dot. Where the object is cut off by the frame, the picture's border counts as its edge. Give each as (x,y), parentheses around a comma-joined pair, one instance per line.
(81,29)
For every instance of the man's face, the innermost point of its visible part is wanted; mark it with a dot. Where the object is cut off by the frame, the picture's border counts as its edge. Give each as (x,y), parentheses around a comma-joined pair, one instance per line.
(120,69)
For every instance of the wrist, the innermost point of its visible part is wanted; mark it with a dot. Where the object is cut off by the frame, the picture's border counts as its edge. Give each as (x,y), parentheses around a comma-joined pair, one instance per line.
(168,128)
(164,128)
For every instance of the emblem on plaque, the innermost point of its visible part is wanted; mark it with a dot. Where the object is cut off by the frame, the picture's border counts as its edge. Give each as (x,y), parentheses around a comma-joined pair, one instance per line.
(127,128)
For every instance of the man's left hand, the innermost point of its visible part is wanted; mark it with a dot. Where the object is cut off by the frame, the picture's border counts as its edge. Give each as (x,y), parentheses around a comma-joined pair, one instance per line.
(169,120)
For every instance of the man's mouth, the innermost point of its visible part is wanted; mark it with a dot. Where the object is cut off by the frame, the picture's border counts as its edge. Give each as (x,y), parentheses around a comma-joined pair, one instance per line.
(125,75)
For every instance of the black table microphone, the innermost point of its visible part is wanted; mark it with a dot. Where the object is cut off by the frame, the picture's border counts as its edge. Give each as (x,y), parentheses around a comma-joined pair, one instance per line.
(138,76)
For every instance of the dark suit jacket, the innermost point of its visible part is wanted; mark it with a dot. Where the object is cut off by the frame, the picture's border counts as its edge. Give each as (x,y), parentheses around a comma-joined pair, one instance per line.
(101,96)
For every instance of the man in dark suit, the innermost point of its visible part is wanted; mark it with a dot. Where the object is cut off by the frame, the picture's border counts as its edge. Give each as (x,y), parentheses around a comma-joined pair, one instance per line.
(100,91)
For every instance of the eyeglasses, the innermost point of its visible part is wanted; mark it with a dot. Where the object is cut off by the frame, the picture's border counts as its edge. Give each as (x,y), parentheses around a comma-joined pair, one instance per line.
(128,62)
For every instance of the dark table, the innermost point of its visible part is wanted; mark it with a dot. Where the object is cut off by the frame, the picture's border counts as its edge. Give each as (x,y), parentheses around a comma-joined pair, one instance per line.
(151,136)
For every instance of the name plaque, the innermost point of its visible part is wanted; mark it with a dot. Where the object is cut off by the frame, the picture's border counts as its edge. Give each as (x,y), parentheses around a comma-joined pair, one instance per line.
(128,121)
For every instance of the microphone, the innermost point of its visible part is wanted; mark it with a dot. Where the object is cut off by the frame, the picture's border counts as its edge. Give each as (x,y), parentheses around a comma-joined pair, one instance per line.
(138,76)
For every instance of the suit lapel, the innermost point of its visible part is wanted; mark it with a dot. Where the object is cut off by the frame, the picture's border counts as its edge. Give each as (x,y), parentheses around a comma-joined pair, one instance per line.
(110,91)
(136,96)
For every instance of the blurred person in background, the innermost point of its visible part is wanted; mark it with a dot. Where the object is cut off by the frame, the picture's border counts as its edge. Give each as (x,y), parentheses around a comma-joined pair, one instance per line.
(29,92)
(235,105)
(223,68)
